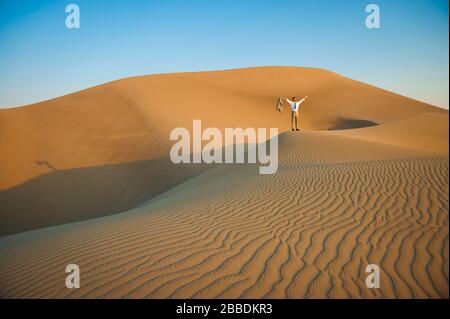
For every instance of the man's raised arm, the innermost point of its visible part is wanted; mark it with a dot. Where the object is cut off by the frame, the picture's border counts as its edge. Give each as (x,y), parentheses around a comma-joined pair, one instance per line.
(303,100)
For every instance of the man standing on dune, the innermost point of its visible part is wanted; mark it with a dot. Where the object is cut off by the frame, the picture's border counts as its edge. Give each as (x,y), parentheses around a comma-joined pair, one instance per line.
(294,108)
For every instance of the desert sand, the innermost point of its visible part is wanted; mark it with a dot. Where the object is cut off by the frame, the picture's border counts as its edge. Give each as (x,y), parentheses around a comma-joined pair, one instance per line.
(85,179)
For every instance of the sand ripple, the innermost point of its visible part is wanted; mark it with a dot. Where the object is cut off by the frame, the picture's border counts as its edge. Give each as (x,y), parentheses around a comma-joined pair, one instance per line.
(308,231)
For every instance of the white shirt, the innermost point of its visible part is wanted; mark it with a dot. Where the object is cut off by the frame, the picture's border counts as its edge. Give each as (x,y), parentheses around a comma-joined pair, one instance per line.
(295,105)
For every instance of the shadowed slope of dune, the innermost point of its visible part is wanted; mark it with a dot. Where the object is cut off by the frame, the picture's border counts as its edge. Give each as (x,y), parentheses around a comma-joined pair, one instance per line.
(335,205)
(346,124)
(71,195)
(51,153)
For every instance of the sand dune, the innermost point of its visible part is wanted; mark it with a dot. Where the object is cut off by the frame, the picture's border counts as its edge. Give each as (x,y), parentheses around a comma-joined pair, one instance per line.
(366,181)
(306,232)
(130,120)
(426,132)
(69,154)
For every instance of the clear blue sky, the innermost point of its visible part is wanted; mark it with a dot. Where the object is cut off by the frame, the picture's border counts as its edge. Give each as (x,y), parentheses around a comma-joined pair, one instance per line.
(40,58)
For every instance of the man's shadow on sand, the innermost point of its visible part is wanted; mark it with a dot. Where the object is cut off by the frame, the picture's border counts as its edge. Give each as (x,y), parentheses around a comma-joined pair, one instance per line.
(47,164)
